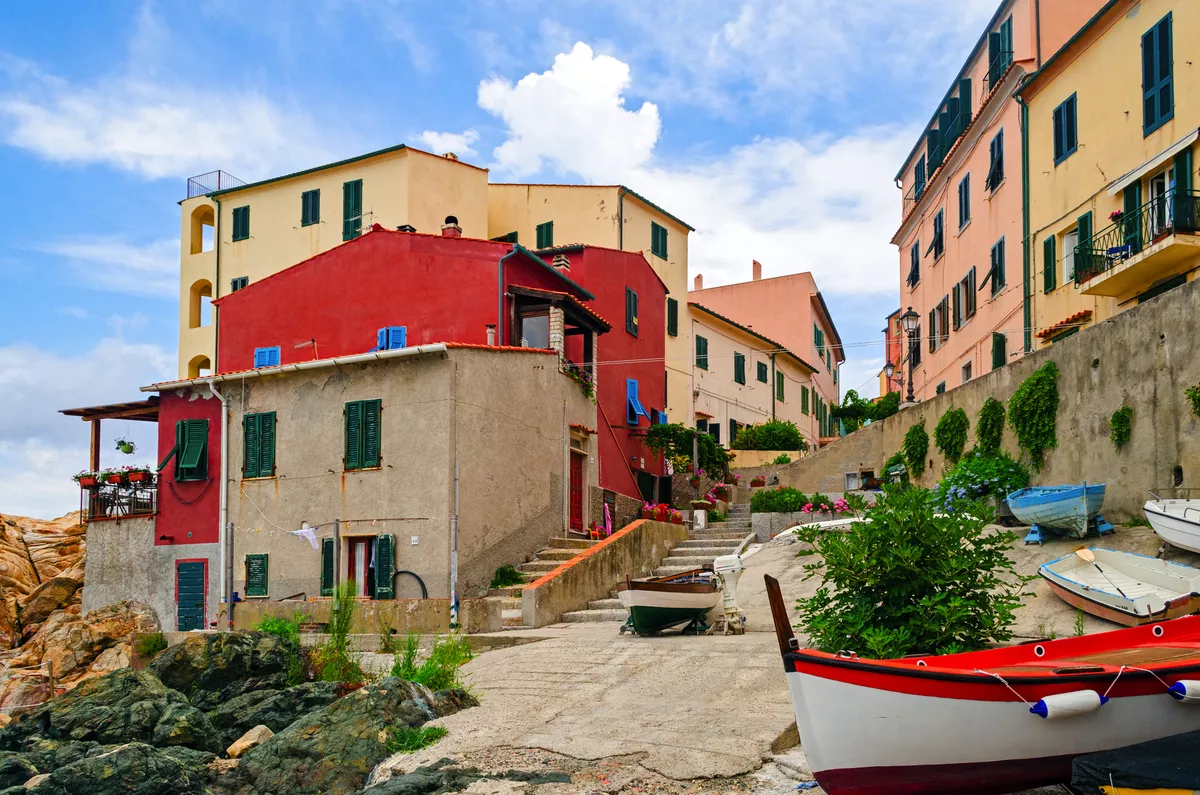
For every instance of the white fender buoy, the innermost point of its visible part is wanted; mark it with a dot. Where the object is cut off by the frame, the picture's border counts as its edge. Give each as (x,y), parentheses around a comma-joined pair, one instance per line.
(1185,690)
(1066,705)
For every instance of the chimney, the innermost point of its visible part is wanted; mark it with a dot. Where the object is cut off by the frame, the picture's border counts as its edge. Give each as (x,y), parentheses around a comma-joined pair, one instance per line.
(491,334)
(699,282)
(451,227)
(450,156)
(755,270)
(561,263)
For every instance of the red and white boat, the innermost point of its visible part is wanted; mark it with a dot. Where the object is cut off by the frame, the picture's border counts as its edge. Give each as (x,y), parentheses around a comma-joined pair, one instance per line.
(974,722)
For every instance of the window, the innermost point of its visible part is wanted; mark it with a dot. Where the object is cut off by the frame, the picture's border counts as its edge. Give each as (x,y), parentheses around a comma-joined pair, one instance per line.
(739,368)
(1000,52)
(310,207)
(914,351)
(714,430)
(390,338)
(352,208)
(944,318)
(762,372)
(996,164)
(999,352)
(804,400)
(938,245)
(362,434)
(241,223)
(1049,264)
(266,357)
(966,372)
(702,425)
(996,272)
(1069,242)
(734,426)
(631,311)
(1066,130)
(778,386)
(535,331)
(964,201)
(914,264)
(658,240)
(819,340)
(701,352)
(633,406)
(956,300)
(941,388)
(919,178)
(964,299)
(511,237)
(1084,229)
(1158,102)
(545,235)
(238,283)
(258,449)
(672,317)
(190,450)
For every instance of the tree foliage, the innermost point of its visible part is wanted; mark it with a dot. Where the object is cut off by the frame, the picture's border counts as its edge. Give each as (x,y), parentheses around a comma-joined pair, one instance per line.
(950,434)
(1032,412)
(911,580)
(915,448)
(770,435)
(989,428)
(886,406)
(675,439)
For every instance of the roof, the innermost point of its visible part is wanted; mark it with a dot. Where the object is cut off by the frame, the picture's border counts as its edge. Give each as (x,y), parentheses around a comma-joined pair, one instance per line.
(573,248)
(555,295)
(576,426)
(623,188)
(1078,318)
(775,345)
(1069,44)
(337,164)
(832,328)
(138,410)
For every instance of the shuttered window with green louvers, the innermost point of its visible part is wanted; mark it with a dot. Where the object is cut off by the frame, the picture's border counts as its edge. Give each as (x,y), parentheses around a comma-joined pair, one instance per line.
(762,372)
(241,223)
(702,352)
(258,448)
(328,566)
(739,368)
(999,350)
(385,566)
(1049,265)
(191,443)
(352,208)
(672,317)
(362,449)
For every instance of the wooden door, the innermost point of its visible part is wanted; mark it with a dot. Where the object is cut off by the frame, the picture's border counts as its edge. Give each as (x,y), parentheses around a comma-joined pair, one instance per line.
(576,491)
(189,595)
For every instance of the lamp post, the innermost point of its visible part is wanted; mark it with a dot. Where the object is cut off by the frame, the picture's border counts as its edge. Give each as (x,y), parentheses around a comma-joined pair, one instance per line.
(908,322)
(889,370)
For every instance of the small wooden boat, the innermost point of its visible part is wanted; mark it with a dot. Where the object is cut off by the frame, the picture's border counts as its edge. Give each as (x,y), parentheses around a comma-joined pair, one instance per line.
(1069,508)
(663,602)
(990,721)
(1123,587)
(1176,521)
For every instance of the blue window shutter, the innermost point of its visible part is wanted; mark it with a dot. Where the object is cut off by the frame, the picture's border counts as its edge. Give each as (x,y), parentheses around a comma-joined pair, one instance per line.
(397,337)
(381,339)
(633,408)
(273,356)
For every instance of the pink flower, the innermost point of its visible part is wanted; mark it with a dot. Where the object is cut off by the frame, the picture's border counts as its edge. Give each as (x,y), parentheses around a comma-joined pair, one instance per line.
(807,507)
(824,509)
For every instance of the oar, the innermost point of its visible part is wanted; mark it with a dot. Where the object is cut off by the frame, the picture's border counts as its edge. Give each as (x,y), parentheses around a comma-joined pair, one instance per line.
(1090,557)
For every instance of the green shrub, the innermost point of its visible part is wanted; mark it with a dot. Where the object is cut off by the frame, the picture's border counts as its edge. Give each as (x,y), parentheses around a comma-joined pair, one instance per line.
(853,410)
(916,447)
(1138,521)
(332,659)
(979,475)
(405,740)
(507,575)
(1119,426)
(439,670)
(149,644)
(675,439)
(287,630)
(910,581)
(885,406)
(784,499)
(1193,395)
(770,435)
(950,434)
(782,458)
(897,459)
(989,428)
(818,499)
(1032,412)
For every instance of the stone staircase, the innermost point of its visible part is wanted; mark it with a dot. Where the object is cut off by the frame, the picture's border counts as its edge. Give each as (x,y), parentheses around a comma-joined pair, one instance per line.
(557,553)
(719,538)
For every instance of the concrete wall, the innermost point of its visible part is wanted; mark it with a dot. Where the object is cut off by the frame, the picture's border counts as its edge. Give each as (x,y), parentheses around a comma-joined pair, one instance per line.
(402,615)
(124,563)
(633,551)
(1143,358)
(747,459)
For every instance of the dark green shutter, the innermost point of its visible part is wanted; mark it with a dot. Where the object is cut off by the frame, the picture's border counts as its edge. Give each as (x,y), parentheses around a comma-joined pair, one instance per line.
(250,445)
(672,317)
(1183,173)
(778,385)
(371,431)
(999,352)
(964,103)
(266,444)
(1084,256)
(994,47)
(354,435)
(701,353)
(195,438)
(545,235)
(804,400)
(328,566)
(257,574)
(1049,271)
(1131,219)
(762,372)
(351,209)
(385,566)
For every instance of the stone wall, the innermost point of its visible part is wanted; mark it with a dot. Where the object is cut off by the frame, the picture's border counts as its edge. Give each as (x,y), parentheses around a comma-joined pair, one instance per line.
(1143,358)
(424,616)
(750,459)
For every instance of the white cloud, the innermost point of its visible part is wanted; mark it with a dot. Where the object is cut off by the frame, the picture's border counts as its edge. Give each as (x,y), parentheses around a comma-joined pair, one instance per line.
(114,265)
(458,143)
(572,117)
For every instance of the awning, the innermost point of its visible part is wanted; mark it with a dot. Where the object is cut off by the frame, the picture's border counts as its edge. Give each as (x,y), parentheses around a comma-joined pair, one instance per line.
(1122,182)
(138,410)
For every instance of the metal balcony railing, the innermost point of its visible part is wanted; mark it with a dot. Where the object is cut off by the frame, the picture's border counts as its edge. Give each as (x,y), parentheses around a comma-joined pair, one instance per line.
(1171,213)
(118,500)
(997,69)
(211,182)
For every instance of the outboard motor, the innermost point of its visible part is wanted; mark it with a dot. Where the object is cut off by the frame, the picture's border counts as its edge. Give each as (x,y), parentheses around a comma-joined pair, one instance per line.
(728,569)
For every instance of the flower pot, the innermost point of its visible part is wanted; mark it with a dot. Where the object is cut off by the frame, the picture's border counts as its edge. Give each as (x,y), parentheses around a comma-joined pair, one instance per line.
(86,482)
(126,448)
(647,513)
(694,482)
(114,478)
(758,482)
(677,520)
(139,477)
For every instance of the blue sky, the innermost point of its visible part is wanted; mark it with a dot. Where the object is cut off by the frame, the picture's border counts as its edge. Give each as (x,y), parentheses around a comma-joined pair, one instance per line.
(774,129)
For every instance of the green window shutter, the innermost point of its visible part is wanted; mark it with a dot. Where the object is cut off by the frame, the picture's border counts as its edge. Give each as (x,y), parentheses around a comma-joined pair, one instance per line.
(354,435)
(1132,217)
(672,317)
(631,311)
(266,444)
(241,223)
(257,574)
(191,436)
(804,400)
(310,207)
(545,235)
(328,566)
(1158,102)
(1049,268)
(250,445)
(778,385)
(999,352)
(371,432)
(351,209)
(701,353)
(658,240)
(762,372)
(739,368)
(1183,173)
(385,566)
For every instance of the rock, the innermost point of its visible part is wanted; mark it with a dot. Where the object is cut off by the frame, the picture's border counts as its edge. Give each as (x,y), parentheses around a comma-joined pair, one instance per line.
(44,600)
(334,748)
(47,755)
(251,739)
(213,668)
(183,724)
(15,769)
(442,776)
(33,782)
(275,709)
(33,551)
(131,769)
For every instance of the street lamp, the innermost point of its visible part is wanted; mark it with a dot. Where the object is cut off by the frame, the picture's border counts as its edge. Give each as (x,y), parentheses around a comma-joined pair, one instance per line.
(908,322)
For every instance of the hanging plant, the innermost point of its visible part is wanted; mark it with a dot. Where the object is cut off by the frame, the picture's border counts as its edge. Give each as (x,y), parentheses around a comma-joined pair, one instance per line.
(1032,411)
(1119,428)
(950,434)
(125,446)
(989,428)
(1193,396)
(915,448)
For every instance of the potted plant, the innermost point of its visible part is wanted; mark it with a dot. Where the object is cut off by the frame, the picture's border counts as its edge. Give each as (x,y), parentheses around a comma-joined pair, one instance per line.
(676,517)
(138,474)
(721,492)
(758,480)
(647,511)
(125,446)
(111,475)
(694,480)
(662,512)
(85,479)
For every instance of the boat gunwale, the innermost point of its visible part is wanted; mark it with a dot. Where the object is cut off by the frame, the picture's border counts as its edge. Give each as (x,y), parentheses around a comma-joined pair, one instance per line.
(668,587)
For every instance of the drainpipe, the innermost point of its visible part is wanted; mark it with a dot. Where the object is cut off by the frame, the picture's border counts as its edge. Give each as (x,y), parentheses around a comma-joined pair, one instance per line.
(621,217)
(1027,313)
(216,310)
(223,535)
(774,389)
(500,295)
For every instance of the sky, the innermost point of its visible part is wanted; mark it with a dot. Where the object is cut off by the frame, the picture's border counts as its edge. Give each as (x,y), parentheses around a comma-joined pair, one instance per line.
(775,129)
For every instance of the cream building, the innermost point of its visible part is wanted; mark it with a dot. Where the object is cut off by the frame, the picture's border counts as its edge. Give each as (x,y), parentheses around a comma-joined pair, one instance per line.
(233,234)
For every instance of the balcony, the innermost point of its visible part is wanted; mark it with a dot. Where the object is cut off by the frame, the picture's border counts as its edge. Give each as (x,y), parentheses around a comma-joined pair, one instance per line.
(1140,248)
(124,500)
(211,182)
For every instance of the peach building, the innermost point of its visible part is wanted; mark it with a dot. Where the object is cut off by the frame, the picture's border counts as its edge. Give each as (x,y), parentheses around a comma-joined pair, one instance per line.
(893,354)
(790,310)
(961,255)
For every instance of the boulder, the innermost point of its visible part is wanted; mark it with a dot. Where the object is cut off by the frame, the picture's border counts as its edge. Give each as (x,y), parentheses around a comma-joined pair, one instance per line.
(275,709)
(443,776)
(251,739)
(183,724)
(213,668)
(15,769)
(33,782)
(334,748)
(44,600)
(33,551)
(131,769)
(47,755)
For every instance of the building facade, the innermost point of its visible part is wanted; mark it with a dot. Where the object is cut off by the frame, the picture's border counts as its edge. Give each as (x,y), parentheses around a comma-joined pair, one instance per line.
(1113,207)
(893,352)
(960,240)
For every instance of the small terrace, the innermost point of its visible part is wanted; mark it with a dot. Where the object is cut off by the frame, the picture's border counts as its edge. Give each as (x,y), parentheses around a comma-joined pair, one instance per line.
(211,182)
(122,498)
(1139,248)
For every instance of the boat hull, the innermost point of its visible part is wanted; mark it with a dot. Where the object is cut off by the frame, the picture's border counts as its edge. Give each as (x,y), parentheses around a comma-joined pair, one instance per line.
(1061,508)
(1124,587)
(653,610)
(1176,530)
(1184,606)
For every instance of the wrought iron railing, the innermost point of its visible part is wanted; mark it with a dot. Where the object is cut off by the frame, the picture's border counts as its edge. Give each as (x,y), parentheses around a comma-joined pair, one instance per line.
(211,182)
(118,500)
(997,69)
(1175,212)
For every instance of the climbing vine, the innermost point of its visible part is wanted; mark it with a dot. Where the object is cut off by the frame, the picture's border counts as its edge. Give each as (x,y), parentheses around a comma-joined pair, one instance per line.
(915,448)
(1193,395)
(1119,426)
(950,434)
(1032,410)
(989,428)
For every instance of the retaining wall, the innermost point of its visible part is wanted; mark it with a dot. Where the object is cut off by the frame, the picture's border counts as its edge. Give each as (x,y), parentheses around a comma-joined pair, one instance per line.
(424,616)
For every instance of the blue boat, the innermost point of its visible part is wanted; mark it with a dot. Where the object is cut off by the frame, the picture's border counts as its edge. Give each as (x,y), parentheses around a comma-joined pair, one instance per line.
(1069,508)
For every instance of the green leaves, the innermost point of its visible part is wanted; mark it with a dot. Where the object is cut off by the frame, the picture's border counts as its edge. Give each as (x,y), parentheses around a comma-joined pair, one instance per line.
(770,435)
(1032,411)
(977,476)
(989,428)
(915,448)
(1120,426)
(675,439)
(950,435)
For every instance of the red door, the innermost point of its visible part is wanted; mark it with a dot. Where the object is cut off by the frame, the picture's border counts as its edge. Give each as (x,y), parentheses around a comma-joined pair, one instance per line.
(576,492)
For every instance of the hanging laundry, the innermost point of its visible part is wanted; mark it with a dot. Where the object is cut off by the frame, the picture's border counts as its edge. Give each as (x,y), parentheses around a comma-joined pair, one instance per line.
(307,533)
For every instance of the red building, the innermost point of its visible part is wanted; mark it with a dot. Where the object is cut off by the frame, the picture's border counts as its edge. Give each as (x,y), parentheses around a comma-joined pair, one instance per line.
(893,338)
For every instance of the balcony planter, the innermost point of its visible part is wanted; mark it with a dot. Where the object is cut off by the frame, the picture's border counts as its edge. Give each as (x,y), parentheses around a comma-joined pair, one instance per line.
(116,477)
(759,481)
(139,477)
(647,513)
(87,481)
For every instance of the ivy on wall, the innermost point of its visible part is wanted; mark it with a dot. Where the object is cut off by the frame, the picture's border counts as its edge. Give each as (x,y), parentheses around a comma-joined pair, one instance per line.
(1193,396)
(950,434)
(1119,427)
(915,448)
(1032,411)
(989,428)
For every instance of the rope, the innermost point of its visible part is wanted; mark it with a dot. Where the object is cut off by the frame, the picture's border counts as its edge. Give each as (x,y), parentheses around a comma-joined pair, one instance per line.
(1000,679)
(1113,683)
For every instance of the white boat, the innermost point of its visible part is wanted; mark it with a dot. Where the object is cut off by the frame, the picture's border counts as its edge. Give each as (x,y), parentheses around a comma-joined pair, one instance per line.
(661,602)
(1123,587)
(1176,521)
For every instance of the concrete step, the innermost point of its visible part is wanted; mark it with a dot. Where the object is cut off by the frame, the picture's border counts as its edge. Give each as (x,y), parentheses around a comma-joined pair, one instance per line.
(512,618)
(707,536)
(509,591)
(559,554)
(572,543)
(511,603)
(671,569)
(577,616)
(612,603)
(688,562)
(704,543)
(539,566)
(736,524)
(707,551)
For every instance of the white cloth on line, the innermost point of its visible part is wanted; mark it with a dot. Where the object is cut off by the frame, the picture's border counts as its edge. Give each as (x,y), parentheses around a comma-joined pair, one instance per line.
(307,533)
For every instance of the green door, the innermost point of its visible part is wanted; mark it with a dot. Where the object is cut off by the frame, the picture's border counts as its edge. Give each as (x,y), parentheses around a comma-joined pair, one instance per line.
(189,595)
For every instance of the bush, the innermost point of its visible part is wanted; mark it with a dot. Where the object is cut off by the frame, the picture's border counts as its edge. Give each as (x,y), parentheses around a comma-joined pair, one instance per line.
(782,458)
(950,434)
(331,660)
(438,671)
(886,406)
(853,410)
(507,575)
(405,740)
(674,441)
(916,447)
(989,428)
(1119,426)
(149,644)
(820,499)
(1032,413)
(288,631)
(911,582)
(770,435)
(979,475)
(784,499)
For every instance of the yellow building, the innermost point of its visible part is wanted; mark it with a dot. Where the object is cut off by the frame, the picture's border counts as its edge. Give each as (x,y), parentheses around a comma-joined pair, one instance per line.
(1112,122)
(233,234)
